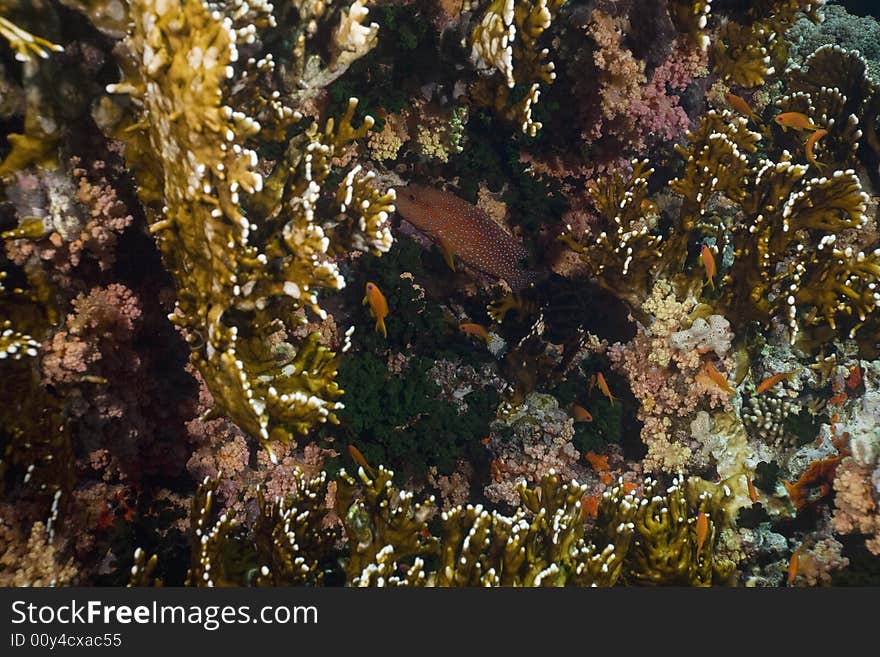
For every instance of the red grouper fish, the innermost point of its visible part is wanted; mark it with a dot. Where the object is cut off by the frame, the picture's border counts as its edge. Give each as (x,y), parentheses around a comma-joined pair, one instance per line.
(466,231)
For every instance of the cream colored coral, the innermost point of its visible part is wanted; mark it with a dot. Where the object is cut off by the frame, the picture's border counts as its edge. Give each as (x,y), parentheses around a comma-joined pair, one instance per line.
(352,39)
(492,40)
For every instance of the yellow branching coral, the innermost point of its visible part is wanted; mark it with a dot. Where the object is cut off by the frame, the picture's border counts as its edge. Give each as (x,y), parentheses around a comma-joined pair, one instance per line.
(25,44)
(240,282)
(14,344)
(826,108)
(842,97)
(492,40)
(290,537)
(288,543)
(545,542)
(142,570)
(724,139)
(675,531)
(352,39)
(207,539)
(38,143)
(666,537)
(747,53)
(784,260)
(741,55)
(775,226)
(621,256)
(691,18)
(504,44)
(377,515)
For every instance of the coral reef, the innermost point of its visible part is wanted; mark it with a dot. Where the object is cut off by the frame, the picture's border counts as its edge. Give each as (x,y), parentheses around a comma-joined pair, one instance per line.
(496,292)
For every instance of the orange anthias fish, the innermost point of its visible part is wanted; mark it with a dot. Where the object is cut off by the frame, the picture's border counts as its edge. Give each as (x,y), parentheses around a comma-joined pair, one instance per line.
(793,566)
(581,414)
(466,231)
(811,144)
(702,530)
(603,386)
(771,381)
(741,105)
(378,306)
(718,378)
(796,120)
(358,458)
(753,493)
(709,263)
(476,330)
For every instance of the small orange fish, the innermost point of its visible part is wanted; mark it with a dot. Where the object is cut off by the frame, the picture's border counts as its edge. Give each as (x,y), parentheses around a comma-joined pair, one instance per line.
(792,490)
(753,493)
(476,330)
(709,264)
(358,458)
(796,120)
(629,486)
(793,565)
(771,381)
(855,377)
(484,441)
(581,414)
(378,306)
(718,378)
(702,530)
(603,386)
(811,144)
(741,105)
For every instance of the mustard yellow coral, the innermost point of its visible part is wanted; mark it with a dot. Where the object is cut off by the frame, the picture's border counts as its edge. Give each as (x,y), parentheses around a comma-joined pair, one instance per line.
(239,281)
(26,45)
(504,44)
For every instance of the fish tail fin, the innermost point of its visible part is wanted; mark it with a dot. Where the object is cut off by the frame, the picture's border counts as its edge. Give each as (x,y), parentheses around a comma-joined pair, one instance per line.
(448,253)
(522,279)
(380,326)
(712,282)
